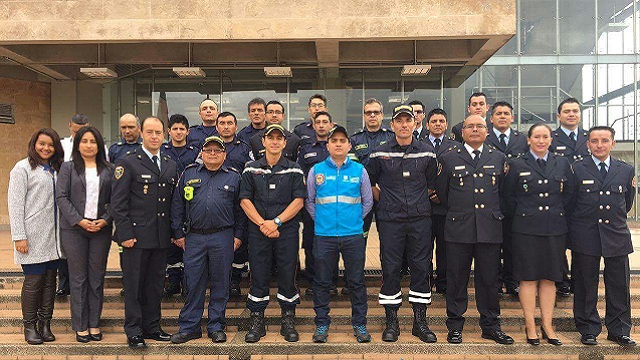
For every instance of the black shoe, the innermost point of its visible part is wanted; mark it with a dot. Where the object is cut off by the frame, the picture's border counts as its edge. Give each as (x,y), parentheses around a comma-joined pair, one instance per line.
(171,289)
(498,336)
(121,292)
(44,328)
(622,340)
(555,342)
(136,342)
(62,293)
(181,338)
(83,338)
(563,291)
(234,289)
(308,292)
(257,330)
(420,326)
(513,291)
(441,290)
(288,325)
(159,335)
(534,342)
(96,337)
(218,336)
(333,291)
(392,327)
(589,339)
(454,337)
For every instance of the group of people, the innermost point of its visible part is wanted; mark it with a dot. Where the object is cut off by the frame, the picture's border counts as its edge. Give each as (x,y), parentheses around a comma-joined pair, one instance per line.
(200,208)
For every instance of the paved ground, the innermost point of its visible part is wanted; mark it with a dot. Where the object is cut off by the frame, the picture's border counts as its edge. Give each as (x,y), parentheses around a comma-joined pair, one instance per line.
(373,251)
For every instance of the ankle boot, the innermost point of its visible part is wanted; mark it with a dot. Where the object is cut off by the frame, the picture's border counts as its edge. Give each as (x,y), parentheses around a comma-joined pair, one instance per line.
(420,326)
(392,328)
(30,302)
(257,330)
(288,325)
(45,313)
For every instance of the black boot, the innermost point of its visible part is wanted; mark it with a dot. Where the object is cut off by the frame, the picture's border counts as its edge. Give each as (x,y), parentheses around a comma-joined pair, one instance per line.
(392,328)
(288,325)
(420,326)
(257,330)
(234,284)
(45,313)
(30,302)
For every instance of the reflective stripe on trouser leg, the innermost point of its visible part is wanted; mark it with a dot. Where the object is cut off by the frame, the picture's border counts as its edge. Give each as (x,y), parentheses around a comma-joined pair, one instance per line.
(419,297)
(395,299)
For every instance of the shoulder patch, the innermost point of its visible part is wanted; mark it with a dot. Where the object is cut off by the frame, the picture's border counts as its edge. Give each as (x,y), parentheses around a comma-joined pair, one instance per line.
(118,172)
(119,143)
(319,179)
(453,136)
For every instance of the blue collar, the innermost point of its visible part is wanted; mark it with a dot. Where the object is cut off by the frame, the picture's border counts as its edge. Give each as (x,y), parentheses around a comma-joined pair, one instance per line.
(535,157)
(567,131)
(607,162)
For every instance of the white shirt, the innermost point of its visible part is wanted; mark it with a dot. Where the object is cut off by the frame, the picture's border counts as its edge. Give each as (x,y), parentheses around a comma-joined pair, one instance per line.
(93,193)
(470,150)
(67,146)
(150,155)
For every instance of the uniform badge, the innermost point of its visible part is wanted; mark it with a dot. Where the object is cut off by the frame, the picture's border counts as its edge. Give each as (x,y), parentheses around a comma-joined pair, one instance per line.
(145,189)
(506,168)
(453,136)
(118,172)
(188,193)
(319,179)
(439,168)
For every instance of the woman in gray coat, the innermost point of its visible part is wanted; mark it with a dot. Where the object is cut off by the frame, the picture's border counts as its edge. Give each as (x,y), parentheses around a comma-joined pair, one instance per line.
(83,193)
(33,216)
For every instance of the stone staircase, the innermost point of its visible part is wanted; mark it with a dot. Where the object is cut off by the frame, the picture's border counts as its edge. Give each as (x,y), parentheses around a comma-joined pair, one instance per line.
(341,344)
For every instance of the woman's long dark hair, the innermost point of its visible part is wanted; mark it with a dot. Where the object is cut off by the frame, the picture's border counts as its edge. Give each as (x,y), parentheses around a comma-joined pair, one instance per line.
(101,157)
(58,156)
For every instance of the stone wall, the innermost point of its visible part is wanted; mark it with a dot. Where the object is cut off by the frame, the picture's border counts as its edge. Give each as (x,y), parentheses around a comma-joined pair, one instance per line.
(32,111)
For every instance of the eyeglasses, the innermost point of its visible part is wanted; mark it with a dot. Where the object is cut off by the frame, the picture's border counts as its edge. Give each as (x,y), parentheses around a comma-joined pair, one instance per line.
(369,113)
(419,112)
(277,112)
(475,126)
(317,105)
(213,151)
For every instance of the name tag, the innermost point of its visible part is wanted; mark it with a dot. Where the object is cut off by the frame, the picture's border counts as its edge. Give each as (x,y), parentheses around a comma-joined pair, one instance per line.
(588,182)
(361,146)
(145,176)
(460,167)
(526,173)
(561,148)
(310,155)
(272,186)
(406,174)
(488,167)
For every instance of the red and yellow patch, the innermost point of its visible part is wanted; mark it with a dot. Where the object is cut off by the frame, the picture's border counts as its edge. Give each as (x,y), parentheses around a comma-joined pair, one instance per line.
(320,179)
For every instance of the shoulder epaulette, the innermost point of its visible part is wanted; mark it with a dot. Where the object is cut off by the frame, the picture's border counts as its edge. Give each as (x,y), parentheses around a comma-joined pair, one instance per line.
(119,143)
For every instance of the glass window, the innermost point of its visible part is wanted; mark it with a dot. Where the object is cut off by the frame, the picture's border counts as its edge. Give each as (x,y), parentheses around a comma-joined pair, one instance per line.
(615,26)
(538,26)
(538,99)
(577,27)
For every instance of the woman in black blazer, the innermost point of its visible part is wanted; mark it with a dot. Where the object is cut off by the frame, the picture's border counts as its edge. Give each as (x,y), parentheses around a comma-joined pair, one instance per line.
(83,192)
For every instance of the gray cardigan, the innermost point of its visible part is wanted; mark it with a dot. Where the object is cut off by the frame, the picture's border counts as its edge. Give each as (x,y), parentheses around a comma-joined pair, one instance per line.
(32,213)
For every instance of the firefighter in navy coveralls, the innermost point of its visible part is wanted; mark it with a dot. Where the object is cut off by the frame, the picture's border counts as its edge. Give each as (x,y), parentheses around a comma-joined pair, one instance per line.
(209,224)
(131,140)
(209,114)
(275,115)
(436,123)
(140,206)
(305,132)
(237,156)
(403,173)
(605,189)
(468,185)
(256,112)
(272,193)
(177,150)
(570,141)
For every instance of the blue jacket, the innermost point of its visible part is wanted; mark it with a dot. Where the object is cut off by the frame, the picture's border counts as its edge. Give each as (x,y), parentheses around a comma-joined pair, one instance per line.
(337,199)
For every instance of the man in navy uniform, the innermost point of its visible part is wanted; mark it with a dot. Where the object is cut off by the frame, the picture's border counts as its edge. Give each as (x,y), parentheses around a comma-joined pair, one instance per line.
(140,206)
(237,155)
(131,140)
(272,193)
(512,143)
(275,115)
(177,150)
(403,173)
(256,110)
(569,140)
(209,224)
(209,114)
(469,183)
(305,132)
(605,189)
(436,123)
(421,132)
(478,105)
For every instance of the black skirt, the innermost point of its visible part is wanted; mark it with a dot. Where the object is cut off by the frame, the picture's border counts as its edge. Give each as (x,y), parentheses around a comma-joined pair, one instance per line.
(538,257)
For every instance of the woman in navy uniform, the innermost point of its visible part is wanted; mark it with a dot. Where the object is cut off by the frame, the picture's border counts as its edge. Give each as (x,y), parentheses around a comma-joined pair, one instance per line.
(537,195)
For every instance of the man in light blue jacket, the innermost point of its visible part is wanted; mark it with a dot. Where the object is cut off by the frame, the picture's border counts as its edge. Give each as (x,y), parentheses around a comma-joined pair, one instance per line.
(339,198)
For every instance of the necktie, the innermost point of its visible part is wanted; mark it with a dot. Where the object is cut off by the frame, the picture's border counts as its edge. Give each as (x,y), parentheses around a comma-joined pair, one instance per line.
(155,161)
(476,158)
(572,136)
(503,141)
(438,144)
(542,163)
(603,170)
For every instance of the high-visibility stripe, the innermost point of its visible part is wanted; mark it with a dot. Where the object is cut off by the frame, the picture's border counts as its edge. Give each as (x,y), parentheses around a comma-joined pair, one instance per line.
(385,153)
(238,266)
(420,155)
(419,300)
(419,294)
(283,298)
(398,295)
(175,266)
(289,171)
(390,302)
(338,199)
(256,170)
(258,299)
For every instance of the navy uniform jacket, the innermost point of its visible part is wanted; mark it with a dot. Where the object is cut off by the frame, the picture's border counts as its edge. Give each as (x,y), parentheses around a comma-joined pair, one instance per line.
(290,150)
(456,130)
(305,132)
(312,153)
(121,148)
(563,146)
(198,133)
(214,205)
(516,146)
(423,134)
(598,217)
(272,189)
(445,146)
(247,133)
(183,156)
(238,154)
(364,142)
(404,175)
(537,200)
(471,195)
(141,200)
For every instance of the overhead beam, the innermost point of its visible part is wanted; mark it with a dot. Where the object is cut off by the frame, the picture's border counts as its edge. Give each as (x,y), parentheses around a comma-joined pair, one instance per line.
(28,63)
(328,53)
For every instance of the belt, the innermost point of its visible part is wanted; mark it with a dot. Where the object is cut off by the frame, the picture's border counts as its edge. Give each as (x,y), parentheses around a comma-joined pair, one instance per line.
(209,231)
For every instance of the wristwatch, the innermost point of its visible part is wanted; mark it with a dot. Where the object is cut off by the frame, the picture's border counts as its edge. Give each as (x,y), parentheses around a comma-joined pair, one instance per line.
(277,221)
